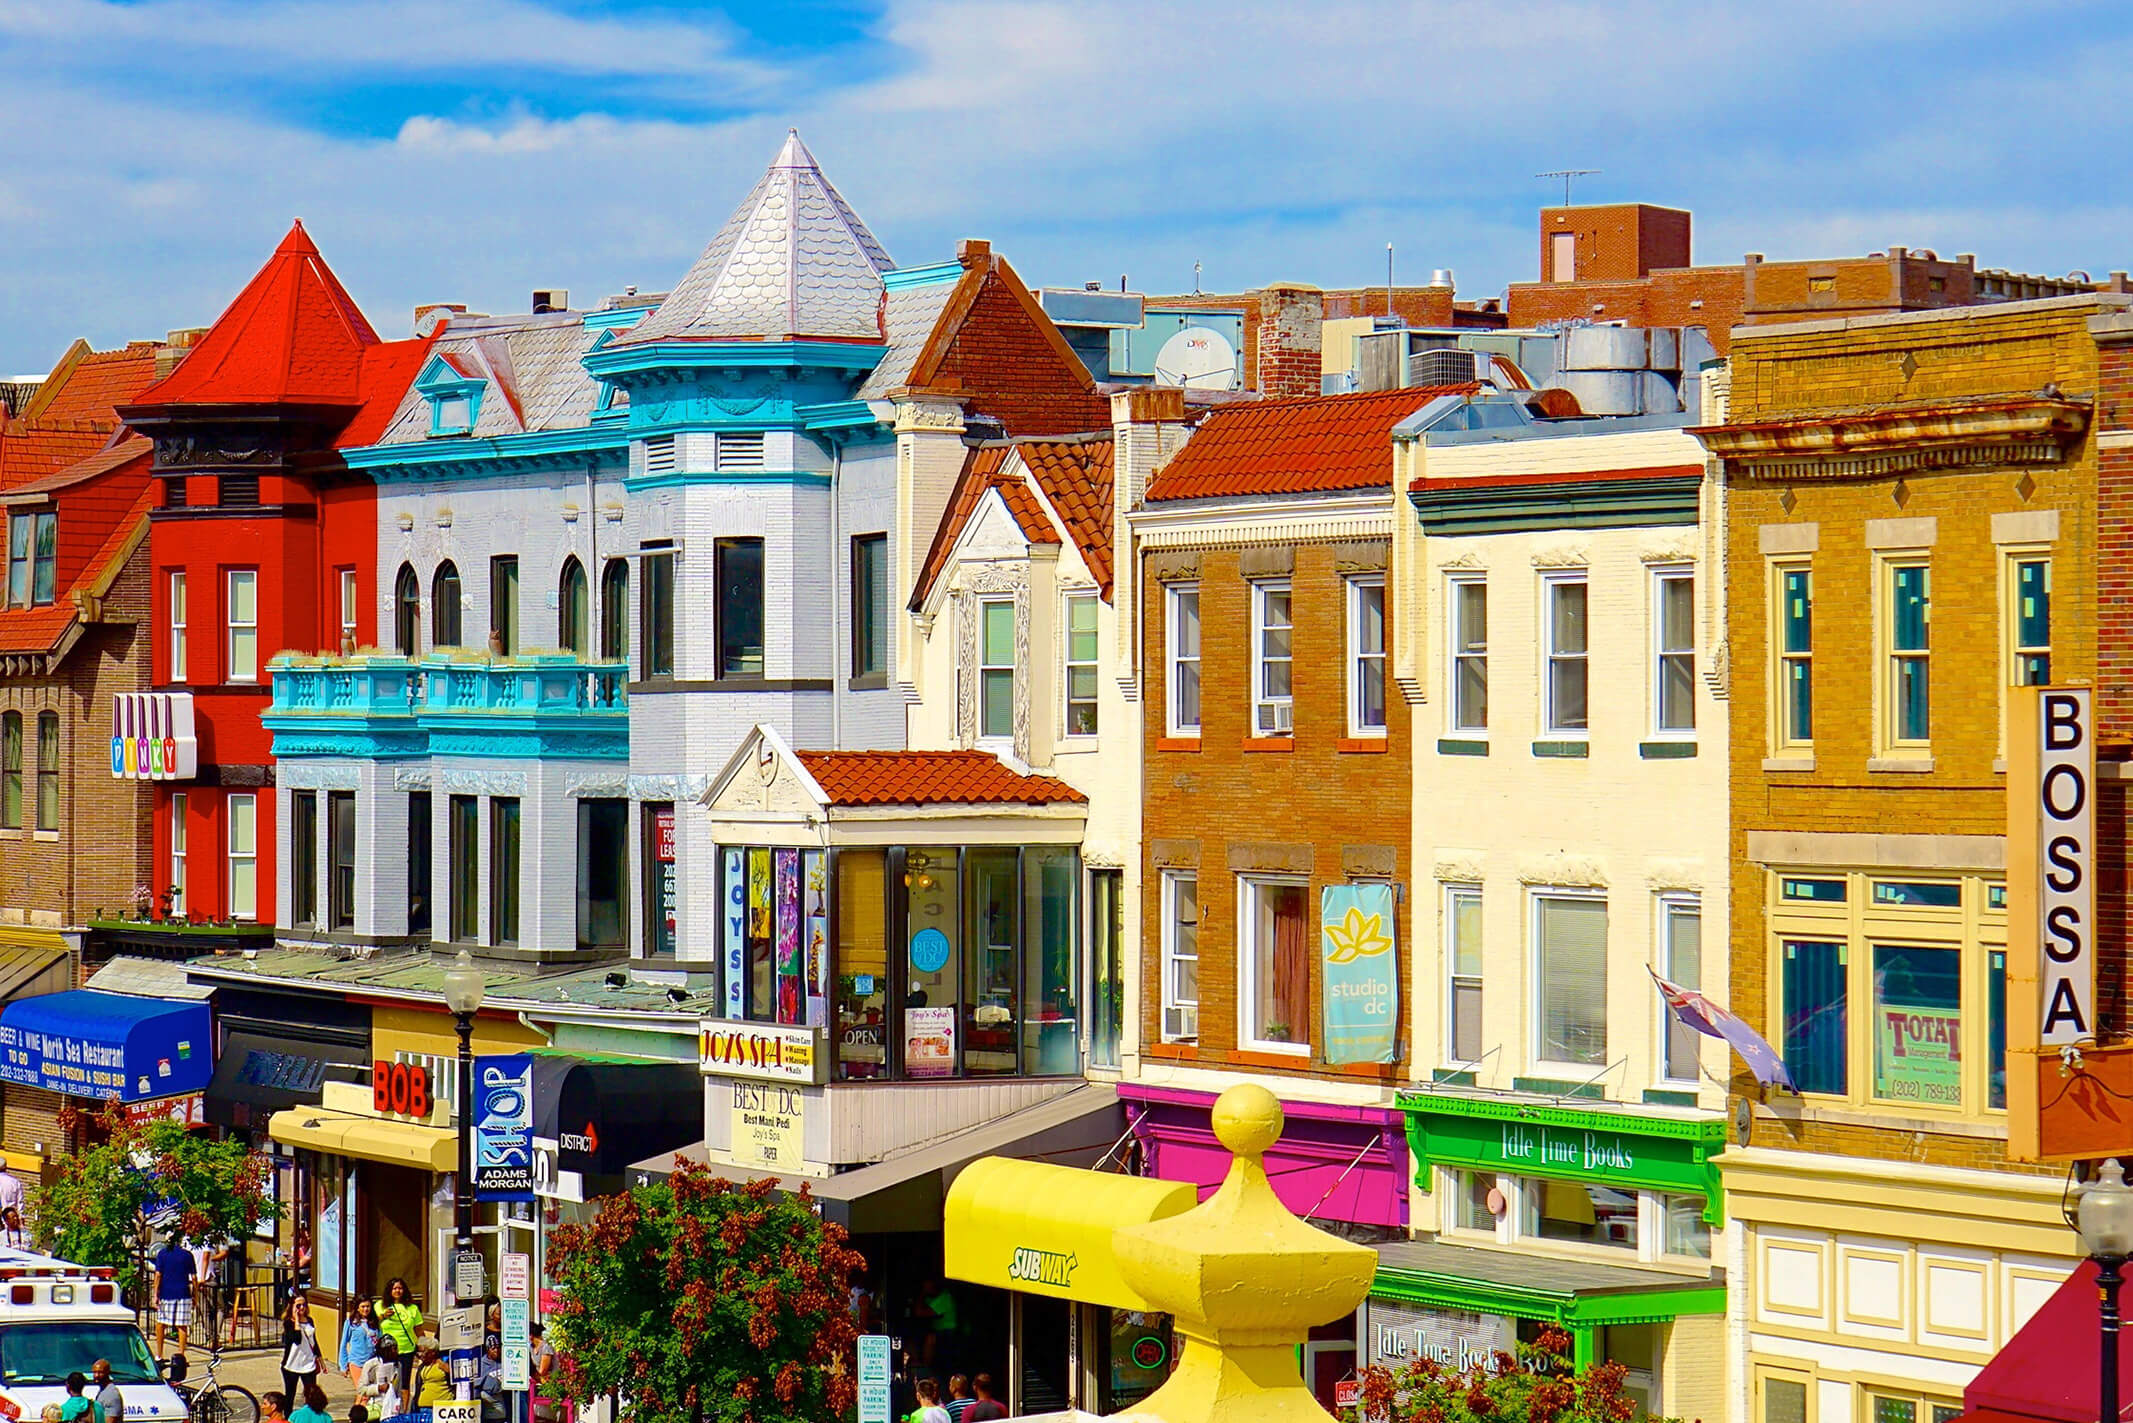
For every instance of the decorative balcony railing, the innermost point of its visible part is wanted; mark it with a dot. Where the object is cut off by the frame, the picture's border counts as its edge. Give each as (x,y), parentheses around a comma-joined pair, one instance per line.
(381,704)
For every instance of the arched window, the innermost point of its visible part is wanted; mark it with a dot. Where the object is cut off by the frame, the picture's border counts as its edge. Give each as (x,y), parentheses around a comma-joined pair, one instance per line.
(407,612)
(571,607)
(444,605)
(11,769)
(614,610)
(48,770)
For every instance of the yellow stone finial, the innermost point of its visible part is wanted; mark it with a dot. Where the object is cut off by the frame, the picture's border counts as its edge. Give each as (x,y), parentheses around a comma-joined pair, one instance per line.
(1248,1119)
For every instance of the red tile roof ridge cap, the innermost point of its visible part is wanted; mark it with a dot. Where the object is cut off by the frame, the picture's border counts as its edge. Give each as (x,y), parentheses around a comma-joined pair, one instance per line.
(1427,393)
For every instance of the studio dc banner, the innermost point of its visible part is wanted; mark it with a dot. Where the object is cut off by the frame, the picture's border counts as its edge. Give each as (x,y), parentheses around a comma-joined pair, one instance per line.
(503,1128)
(1361,972)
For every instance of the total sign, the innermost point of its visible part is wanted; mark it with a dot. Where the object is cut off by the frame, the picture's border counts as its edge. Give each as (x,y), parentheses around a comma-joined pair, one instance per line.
(2066,870)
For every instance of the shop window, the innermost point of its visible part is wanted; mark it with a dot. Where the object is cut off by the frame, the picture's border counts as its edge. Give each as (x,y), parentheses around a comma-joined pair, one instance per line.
(1581,1211)
(1565,695)
(240,611)
(1366,656)
(870,605)
(1906,690)
(1080,671)
(1181,957)
(1107,965)
(503,869)
(1918,1025)
(1782,1399)
(573,608)
(463,849)
(1472,1201)
(1815,999)
(48,771)
(1794,714)
(341,859)
(11,770)
(1469,646)
(418,863)
(1910,1408)
(1051,1024)
(655,615)
(862,964)
(740,607)
(2030,642)
(661,889)
(989,988)
(242,871)
(1273,660)
(407,612)
(1570,974)
(1687,1234)
(1276,941)
(303,858)
(1462,933)
(178,806)
(1681,954)
(1996,1030)
(503,603)
(614,610)
(603,873)
(1182,638)
(346,578)
(777,930)
(1673,652)
(446,606)
(996,669)
(32,559)
(177,627)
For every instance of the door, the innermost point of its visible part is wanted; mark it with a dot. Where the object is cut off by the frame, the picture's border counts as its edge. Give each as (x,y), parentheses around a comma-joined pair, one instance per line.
(395,1212)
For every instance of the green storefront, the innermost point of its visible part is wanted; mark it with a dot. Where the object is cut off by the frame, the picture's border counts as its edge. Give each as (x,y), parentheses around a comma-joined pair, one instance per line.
(1598,1219)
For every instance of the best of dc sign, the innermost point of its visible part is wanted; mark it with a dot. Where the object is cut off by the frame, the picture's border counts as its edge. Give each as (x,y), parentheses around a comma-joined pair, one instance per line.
(2066,872)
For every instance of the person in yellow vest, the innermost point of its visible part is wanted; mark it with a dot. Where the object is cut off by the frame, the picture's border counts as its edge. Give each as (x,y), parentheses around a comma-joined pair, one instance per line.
(400,1320)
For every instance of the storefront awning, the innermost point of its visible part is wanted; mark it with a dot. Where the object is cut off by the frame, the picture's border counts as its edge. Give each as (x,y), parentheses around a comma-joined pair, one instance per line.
(2047,1373)
(605,1116)
(434,1149)
(102,1045)
(1571,1293)
(259,1073)
(908,1192)
(32,961)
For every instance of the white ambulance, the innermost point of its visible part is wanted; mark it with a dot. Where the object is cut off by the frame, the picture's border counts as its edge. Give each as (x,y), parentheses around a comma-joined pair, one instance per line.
(57,1318)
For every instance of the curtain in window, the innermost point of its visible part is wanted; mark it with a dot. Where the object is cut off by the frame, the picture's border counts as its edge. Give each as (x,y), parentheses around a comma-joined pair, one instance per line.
(1292,960)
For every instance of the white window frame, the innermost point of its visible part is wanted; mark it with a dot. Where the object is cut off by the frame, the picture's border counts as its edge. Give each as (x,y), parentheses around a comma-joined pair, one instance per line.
(1550,656)
(1248,963)
(348,605)
(1173,1000)
(1359,659)
(232,627)
(236,855)
(1455,586)
(1538,1053)
(2012,648)
(986,669)
(1782,741)
(1272,716)
(1664,908)
(178,615)
(1453,893)
(1451,1190)
(1067,664)
(1888,738)
(179,804)
(1661,576)
(1173,594)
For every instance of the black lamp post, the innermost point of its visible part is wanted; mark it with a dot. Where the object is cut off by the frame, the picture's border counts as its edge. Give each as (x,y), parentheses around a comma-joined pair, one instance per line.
(2103,1213)
(462,995)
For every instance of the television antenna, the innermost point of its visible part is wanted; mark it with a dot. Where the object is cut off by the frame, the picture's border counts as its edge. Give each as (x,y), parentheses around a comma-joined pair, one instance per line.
(1567,175)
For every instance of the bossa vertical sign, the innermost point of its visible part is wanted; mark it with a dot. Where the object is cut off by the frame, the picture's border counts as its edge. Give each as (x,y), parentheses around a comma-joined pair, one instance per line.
(2066,870)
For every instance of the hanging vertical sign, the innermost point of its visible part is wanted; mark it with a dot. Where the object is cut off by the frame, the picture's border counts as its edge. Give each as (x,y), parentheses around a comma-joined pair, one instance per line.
(1362,993)
(790,976)
(2066,851)
(736,934)
(503,1128)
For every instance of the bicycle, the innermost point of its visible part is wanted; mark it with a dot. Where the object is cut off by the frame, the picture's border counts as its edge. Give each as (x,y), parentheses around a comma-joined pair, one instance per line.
(214,1401)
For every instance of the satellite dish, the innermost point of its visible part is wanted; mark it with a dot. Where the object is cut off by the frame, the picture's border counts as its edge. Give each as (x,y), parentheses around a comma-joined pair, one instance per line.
(1197,358)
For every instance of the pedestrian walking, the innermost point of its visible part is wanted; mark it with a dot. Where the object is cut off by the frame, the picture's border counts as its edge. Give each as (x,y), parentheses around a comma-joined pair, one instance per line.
(314,1409)
(400,1320)
(378,1384)
(929,1408)
(988,1405)
(109,1400)
(174,1294)
(299,1348)
(77,1405)
(359,1341)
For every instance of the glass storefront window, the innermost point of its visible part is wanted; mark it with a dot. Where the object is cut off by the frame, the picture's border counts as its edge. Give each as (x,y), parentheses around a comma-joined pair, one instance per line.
(1918,1024)
(1996,1029)
(989,997)
(1581,1211)
(1470,1202)
(862,963)
(1051,1028)
(1686,1233)
(932,966)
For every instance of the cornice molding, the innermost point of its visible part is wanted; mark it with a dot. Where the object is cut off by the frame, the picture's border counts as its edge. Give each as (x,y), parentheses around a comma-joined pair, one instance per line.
(2017,430)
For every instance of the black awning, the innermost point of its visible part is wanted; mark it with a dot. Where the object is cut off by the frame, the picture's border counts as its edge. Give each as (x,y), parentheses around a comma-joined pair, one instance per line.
(605,1115)
(260,1074)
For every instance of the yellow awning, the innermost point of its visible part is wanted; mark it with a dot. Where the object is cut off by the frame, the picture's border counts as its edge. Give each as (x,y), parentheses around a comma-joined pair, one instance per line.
(433,1149)
(1046,1230)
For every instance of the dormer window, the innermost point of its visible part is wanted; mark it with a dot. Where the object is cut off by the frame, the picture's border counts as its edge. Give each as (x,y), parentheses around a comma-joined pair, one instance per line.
(452,387)
(451,415)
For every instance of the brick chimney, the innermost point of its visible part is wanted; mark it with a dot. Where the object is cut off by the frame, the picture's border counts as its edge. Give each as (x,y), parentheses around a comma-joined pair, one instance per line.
(1290,340)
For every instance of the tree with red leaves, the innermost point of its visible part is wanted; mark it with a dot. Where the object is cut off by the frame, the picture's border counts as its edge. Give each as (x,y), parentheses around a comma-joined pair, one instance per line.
(1534,1385)
(699,1301)
(98,1206)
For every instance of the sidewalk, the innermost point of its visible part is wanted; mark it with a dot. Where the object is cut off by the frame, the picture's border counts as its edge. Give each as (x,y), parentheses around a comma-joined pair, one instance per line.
(260,1369)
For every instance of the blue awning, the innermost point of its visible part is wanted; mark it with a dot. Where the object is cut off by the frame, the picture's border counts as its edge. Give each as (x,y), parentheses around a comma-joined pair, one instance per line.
(102,1045)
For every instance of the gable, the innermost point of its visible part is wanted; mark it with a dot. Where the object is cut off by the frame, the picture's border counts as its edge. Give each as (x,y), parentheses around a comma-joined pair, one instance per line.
(1004,358)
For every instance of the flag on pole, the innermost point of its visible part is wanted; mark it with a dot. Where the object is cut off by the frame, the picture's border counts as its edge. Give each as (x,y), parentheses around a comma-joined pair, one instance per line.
(1706,1017)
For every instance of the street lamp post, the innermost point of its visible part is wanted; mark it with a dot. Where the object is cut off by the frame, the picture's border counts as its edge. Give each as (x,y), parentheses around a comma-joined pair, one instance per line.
(462,996)
(2103,1213)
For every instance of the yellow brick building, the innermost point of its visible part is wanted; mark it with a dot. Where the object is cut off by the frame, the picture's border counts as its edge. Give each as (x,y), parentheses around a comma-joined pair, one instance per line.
(1911,530)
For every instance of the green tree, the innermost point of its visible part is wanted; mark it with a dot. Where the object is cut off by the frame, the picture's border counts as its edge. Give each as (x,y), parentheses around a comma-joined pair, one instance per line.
(1536,1384)
(96,1208)
(699,1301)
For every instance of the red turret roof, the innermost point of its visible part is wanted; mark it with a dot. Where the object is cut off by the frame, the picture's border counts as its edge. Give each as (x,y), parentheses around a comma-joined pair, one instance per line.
(293,336)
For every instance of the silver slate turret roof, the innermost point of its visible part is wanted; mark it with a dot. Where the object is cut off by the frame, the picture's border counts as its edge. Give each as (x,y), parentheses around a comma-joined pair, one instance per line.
(793,260)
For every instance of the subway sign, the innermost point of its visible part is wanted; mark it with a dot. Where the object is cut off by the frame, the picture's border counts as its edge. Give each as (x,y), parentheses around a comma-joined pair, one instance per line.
(152,737)
(2066,868)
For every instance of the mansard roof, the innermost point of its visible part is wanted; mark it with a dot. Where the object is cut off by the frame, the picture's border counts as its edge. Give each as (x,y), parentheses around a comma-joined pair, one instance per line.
(793,261)
(530,369)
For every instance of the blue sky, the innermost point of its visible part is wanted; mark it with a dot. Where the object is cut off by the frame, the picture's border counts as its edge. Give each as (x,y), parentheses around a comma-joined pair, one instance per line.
(475,149)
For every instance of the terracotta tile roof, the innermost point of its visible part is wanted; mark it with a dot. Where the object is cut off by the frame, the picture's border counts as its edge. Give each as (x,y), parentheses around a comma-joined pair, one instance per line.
(1580,476)
(1075,476)
(35,630)
(131,447)
(31,453)
(931,778)
(40,630)
(95,385)
(1310,445)
(293,336)
(984,468)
